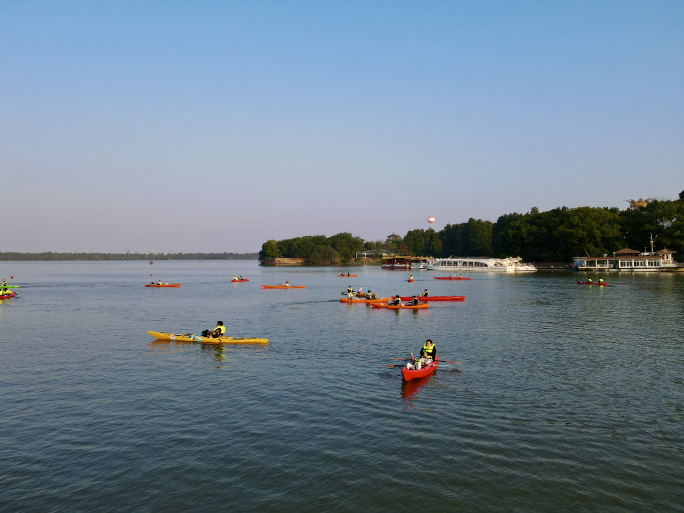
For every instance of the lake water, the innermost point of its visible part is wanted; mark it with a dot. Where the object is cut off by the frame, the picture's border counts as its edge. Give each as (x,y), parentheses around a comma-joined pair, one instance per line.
(569,397)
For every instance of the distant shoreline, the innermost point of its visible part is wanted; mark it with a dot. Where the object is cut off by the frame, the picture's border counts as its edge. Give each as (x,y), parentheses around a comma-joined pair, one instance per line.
(50,256)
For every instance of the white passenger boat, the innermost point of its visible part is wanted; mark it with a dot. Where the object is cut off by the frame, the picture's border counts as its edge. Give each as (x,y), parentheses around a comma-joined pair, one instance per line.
(471,264)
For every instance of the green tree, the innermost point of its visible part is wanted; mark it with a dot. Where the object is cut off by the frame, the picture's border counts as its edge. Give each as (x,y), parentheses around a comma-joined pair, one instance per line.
(324,255)
(415,242)
(346,245)
(269,249)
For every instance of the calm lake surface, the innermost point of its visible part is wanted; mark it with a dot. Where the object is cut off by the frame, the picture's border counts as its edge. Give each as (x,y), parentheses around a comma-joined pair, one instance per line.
(569,397)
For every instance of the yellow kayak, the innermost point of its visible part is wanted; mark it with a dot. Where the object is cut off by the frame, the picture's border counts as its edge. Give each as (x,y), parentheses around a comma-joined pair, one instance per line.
(189,337)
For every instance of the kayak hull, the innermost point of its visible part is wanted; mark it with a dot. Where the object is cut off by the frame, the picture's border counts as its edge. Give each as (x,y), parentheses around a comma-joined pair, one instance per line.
(283,286)
(164,285)
(604,284)
(347,275)
(205,340)
(409,374)
(419,306)
(450,278)
(239,281)
(434,298)
(7,296)
(377,300)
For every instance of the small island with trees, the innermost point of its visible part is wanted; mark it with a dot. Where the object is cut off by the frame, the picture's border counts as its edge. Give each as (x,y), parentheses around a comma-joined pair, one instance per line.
(554,236)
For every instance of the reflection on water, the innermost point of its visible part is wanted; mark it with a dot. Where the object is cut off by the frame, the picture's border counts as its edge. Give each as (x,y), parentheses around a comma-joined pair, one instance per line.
(568,397)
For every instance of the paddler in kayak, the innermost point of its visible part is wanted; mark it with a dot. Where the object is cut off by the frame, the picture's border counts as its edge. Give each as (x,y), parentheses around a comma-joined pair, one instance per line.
(414,301)
(427,355)
(396,301)
(219,331)
(425,293)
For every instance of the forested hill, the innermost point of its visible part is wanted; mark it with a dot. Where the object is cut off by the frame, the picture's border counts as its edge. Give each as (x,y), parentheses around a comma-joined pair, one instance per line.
(553,236)
(51,256)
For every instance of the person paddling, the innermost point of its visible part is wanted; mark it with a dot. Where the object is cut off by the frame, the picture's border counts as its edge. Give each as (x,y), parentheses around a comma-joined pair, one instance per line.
(427,355)
(219,331)
(425,293)
(396,301)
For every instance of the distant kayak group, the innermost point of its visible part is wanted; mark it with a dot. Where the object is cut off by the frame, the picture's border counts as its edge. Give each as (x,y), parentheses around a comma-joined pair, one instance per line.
(420,367)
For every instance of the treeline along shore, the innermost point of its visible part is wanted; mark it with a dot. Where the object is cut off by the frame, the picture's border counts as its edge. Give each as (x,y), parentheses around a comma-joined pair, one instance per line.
(556,235)
(52,256)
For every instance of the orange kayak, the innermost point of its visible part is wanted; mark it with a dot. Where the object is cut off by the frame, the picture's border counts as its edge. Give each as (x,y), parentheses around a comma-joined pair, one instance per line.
(163,285)
(347,275)
(400,307)
(283,286)
(377,300)
(434,298)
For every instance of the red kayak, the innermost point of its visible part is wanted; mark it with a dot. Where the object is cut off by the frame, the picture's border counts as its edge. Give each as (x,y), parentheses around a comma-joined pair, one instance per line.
(238,281)
(400,307)
(7,296)
(450,278)
(603,284)
(435,298)
(409,374)
(163,285)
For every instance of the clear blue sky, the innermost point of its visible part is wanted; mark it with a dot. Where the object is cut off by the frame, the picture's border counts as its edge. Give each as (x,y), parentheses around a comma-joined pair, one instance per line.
(217,125)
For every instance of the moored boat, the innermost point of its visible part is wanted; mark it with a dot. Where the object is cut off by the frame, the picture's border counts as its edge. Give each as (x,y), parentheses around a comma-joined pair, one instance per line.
(481,264)
(630,260)
(162,285)
(409,374)
(189,337)
(434,298)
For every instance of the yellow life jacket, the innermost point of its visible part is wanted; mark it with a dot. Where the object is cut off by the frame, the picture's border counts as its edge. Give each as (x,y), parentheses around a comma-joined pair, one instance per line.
(427,351)
(222,329)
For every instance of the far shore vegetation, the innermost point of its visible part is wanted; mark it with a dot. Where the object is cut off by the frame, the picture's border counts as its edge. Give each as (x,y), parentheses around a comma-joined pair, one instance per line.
(52,256)
(556,236)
